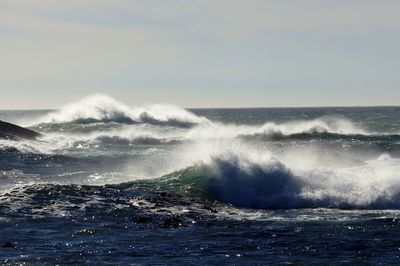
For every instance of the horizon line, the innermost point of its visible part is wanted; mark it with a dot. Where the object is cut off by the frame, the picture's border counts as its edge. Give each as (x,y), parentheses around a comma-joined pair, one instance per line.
(246,107)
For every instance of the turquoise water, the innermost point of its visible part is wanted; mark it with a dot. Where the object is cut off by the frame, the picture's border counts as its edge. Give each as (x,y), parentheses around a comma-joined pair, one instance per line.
(107,183)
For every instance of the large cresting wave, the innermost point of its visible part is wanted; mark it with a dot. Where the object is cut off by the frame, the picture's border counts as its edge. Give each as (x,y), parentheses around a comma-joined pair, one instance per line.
(255,180)
(101,108)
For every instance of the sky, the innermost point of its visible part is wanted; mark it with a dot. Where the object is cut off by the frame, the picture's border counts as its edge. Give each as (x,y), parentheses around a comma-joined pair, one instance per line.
(200,53)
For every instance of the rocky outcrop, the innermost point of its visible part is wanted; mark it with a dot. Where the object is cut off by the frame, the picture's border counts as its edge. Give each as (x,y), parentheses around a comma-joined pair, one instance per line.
(14,132)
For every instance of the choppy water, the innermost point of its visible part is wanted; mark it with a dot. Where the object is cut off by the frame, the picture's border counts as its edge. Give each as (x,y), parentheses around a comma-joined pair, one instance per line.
(164,185)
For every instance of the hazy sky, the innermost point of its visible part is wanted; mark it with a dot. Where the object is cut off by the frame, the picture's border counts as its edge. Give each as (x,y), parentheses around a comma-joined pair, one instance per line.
(208,53)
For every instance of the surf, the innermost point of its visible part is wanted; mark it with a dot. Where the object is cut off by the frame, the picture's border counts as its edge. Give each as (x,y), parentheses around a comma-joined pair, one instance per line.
(102,108)
(257,180)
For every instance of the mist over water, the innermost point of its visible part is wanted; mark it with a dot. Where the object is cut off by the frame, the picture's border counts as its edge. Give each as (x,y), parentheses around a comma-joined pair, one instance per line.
(98,157)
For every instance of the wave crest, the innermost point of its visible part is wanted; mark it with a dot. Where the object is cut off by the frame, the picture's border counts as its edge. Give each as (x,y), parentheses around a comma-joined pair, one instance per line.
(330,127)
(245,184)
(101,108)
(322,125)
(262,181)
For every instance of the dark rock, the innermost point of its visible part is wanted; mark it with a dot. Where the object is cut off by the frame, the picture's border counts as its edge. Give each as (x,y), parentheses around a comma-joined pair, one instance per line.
(14,132)
(8,245)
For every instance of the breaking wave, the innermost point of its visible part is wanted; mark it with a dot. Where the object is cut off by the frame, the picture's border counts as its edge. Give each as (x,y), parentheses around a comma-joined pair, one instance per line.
(73,136)
(262,181)
(101,108)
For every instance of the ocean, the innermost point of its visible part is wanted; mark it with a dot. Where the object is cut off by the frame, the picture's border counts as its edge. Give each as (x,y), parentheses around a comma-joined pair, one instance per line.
(161,185)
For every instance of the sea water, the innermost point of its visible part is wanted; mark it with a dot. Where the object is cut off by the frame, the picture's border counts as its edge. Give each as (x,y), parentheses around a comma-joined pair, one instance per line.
(159,184)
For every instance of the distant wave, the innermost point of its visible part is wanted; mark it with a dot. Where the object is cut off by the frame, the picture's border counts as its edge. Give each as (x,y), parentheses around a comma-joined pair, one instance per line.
(101,108)
(136,134)
(91,110)
(57,137)
(323,127)
(262,181)
(323,136)
(85,136)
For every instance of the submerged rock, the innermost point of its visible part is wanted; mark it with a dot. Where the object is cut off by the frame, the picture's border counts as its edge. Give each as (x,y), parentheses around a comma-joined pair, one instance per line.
(14,132)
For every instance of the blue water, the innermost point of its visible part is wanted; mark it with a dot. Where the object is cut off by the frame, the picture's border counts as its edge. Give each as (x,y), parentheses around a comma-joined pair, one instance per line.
(108,183)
